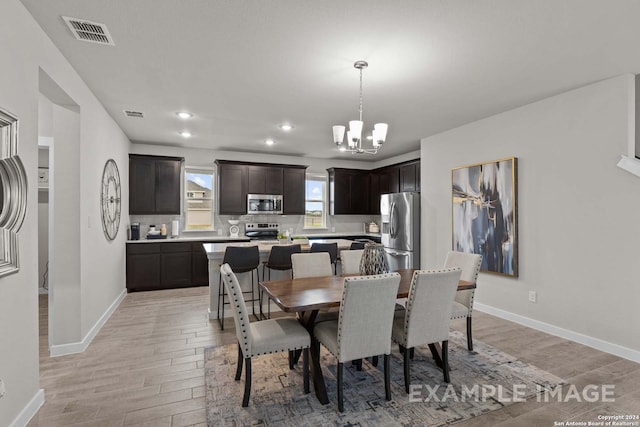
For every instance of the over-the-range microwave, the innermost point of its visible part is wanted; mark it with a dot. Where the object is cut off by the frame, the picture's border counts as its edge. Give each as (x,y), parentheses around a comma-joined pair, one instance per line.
(261,204)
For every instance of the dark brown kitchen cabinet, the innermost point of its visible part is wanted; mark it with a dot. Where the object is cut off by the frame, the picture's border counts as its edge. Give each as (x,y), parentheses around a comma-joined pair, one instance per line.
(294,179)
(175,260)
(410,177)
(348,191)
(232,188)
(199,265)
(154,185)
(143,266)
(265,180)
(374,193)
(389,180)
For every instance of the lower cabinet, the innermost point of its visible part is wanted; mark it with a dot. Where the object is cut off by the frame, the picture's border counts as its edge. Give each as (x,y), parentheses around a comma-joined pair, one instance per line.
(166,265)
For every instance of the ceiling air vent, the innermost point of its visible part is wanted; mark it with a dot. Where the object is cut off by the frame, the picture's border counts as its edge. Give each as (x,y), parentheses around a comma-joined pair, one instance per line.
(89,31)
(130,113)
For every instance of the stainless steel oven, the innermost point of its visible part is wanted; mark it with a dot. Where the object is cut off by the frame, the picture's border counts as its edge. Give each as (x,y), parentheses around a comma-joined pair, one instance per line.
(261,204)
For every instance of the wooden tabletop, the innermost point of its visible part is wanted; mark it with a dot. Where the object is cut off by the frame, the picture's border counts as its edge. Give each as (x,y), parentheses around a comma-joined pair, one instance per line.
(315,293)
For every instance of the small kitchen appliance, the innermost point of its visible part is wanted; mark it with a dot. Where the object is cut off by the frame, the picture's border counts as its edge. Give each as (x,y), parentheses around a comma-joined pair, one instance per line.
(234,230)
(135,231)
(264,204)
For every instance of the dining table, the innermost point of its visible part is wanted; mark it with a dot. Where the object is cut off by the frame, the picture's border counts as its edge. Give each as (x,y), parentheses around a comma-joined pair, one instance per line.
(307,296)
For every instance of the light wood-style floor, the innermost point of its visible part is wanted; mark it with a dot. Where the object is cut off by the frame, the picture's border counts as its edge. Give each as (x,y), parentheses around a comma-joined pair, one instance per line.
(145,368)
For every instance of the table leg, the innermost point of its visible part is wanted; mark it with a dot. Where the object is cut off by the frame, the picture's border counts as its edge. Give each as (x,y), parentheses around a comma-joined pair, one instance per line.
(436,352)
(308,320)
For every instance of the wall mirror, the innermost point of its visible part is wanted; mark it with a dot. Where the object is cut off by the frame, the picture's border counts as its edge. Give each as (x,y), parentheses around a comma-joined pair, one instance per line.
(13,193)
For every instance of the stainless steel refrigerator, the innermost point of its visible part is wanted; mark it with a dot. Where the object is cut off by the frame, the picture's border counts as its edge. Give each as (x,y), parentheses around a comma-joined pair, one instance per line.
(401,229)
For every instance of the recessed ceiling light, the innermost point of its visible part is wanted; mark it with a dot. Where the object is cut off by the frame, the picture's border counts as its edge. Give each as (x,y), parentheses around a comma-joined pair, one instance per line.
(185,134)
(184,115)
(269,141)
(286,127)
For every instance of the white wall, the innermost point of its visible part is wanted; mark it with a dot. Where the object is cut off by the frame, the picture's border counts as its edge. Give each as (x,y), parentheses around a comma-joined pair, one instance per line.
(102,273)
(578,212)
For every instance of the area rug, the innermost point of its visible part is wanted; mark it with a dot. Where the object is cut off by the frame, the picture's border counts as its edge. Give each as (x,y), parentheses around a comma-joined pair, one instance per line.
(481,381)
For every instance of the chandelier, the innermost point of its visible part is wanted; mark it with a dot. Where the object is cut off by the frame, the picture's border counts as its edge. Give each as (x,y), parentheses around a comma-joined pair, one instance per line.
(354,134)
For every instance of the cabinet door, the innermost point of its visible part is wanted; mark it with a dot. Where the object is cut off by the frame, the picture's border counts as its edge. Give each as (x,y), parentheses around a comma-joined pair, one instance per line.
(389,180)
(408,177)
(417,176)
(167,188)
(374,193)
(142,185)
(176,269)
(264,180)
(143,271)
(294,191)
(232,189)
(359,193)
(339,191)
(199,265)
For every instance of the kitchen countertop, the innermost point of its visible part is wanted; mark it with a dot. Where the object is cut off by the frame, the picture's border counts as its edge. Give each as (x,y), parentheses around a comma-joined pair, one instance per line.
(216,250)
(246,239)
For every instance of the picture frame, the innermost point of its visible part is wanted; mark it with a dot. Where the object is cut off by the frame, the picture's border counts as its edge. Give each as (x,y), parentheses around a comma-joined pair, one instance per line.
(43,177)
(484,213)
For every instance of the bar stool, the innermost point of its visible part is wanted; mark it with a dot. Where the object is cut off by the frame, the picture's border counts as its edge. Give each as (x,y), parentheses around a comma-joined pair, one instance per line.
(279,259)
(331,248)
(241,259)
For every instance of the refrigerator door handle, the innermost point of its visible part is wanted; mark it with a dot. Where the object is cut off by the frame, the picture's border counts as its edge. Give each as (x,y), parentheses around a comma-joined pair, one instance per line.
(392,220)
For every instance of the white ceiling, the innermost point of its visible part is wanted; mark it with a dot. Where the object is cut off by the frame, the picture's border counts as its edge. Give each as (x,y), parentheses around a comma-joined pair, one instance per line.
(242,67)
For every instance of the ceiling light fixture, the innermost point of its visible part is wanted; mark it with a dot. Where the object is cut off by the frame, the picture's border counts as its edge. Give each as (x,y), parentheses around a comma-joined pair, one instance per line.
(184,115)
(286,127)
(185,134)
(354,135)
(269,141)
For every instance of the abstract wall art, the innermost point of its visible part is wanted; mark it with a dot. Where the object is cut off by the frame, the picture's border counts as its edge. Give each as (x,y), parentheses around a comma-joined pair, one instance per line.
(484,199)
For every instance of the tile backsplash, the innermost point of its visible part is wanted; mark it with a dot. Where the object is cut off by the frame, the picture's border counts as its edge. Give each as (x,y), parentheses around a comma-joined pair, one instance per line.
(335,223)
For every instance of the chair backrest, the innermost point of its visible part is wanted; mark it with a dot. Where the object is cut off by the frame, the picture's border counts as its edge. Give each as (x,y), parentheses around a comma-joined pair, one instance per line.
(311,265)
(366,316)
(356,245)
(331,248)
(428,311)
(350,261)
(242,258)
(280,256)
(239,308)
(470,265)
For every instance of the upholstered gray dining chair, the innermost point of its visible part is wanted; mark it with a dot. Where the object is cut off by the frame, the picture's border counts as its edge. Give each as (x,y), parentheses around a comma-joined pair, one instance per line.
(263,337)
(463,304)
(427,316)
(363,327)
(350,261)
(316,264)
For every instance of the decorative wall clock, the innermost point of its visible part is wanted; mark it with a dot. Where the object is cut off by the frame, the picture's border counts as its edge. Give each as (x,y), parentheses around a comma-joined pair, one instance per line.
(110,199)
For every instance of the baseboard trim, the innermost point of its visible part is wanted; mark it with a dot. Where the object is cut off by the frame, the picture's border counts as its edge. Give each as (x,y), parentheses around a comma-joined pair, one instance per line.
(598,344)
(79,347)
(29,410)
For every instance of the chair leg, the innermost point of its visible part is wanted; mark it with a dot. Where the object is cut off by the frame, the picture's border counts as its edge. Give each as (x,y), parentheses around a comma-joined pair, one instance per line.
(445,360)
(221,302)
(469,338)
(239,367)
(291,359)
(401,348)
(305,369)
(387,376)
(357,363)
(247,382)
(340,394)
(407,361)
(412,352)
(374,361)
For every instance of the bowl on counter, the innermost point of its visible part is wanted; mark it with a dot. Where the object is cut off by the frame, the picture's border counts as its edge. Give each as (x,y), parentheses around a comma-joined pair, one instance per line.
(153,232)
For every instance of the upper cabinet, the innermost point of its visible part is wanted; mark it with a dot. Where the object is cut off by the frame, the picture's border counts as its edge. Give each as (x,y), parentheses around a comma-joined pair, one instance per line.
(348,191)
(232,188)
(265,180)
(237,179)
(355,191)
(154,185)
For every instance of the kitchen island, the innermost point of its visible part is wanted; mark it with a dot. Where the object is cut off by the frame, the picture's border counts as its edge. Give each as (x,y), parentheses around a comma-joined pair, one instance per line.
(215,254)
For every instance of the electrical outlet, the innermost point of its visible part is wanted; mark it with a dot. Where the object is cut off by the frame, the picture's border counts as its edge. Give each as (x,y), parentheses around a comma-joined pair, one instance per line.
(2,389)
(533,296)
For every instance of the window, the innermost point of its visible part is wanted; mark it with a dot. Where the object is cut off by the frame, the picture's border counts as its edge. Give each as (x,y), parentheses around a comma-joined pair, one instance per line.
(315,202)
(198,199)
